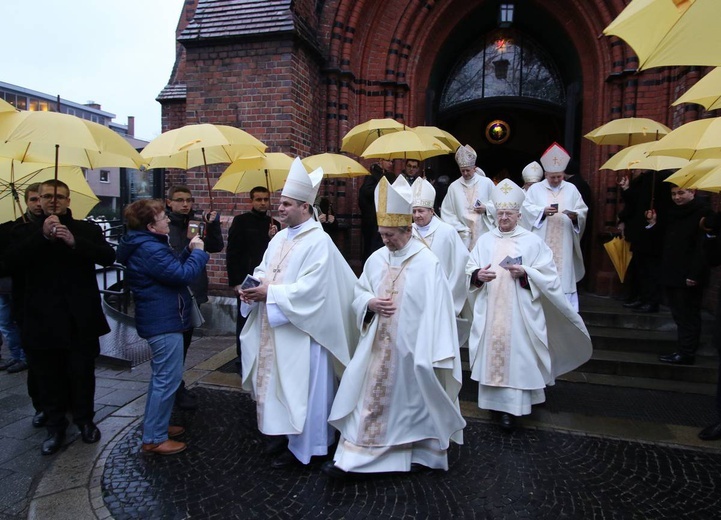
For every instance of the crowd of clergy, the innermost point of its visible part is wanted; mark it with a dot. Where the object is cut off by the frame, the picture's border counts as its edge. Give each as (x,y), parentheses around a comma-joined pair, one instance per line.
(377,358)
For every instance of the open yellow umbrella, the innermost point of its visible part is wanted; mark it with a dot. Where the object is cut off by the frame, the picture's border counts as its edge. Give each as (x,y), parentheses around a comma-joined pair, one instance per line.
(707,92)
(6,107)
(628,131)
(695,140)
(443,136)
(710,181)
(693,172)
(405,144)
(361,136)
(636,158)
(671,32)
(620,253)
(335,165)
(245,174)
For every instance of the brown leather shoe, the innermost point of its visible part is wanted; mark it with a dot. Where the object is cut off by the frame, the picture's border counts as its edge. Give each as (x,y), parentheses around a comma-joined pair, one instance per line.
(169,447)
(175,431)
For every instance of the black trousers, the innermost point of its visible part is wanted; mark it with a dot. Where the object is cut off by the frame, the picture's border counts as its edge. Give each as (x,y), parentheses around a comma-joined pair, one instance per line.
(239,324)
(685,305)
(65,382)
(717,342)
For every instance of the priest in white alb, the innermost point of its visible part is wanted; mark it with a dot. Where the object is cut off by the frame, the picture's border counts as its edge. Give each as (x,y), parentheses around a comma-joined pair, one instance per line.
(466,205)
(397,405)
(524,333)
(448,247)
(554,210)
(301,331)
(531,173)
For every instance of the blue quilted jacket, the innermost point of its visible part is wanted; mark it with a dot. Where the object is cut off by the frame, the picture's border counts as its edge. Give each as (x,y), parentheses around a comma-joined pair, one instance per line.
(159,278)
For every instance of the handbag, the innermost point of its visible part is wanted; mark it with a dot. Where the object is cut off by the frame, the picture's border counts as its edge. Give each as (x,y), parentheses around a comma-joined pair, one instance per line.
(196,317)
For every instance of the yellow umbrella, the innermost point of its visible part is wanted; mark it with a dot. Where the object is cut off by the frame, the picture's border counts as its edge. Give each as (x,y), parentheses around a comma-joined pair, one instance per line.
(711,181)
(405,144)
(696,140)
(620,253)
(693,172)
(636,158)
(671,32)
(335,165)
(443,136)
(628,131)
(16,177)
(707,92)
(6,107)
(245,174)
(360,136)
(54,138)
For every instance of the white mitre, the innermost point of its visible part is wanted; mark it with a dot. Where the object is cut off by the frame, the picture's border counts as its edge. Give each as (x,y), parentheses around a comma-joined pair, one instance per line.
(555,159)
(301,185)
(507,195)
(393,203)
(424,194)
(532,172)
(466,156)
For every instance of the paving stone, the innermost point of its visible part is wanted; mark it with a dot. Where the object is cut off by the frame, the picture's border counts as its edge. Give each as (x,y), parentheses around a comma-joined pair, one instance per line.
(119,397)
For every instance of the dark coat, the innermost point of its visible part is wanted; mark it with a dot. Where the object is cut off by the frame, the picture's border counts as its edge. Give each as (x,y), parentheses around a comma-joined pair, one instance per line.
(159,280)
(179,241)
(59,305)
(247,241)
(644,191)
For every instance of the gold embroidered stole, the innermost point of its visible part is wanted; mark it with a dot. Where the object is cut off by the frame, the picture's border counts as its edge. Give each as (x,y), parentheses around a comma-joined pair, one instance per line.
(499,316)
(555,230)
(381,374)
(473,219)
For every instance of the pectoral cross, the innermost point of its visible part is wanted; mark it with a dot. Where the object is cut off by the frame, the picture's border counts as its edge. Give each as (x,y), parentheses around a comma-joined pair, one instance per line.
(276,270)
(390,292)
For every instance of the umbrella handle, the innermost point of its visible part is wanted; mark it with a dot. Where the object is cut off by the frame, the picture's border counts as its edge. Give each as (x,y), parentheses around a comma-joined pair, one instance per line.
(207,181)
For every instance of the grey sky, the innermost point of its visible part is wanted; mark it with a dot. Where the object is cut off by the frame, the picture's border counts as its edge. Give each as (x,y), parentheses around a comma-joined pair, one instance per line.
(118,53)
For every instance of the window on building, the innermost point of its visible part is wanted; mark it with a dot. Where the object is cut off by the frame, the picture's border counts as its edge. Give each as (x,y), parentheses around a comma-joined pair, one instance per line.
(104,176)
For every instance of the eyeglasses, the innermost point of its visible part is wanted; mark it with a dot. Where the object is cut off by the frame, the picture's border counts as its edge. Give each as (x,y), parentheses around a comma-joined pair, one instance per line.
(183,201)
(50,196)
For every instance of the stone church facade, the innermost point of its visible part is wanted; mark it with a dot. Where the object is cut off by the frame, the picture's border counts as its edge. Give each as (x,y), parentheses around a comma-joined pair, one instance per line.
(298,74)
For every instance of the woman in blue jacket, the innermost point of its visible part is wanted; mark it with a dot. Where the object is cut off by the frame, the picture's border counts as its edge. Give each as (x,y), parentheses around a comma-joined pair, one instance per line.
(158,279)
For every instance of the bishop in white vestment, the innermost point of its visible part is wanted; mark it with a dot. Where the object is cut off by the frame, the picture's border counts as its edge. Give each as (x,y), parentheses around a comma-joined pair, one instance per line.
(554,210)
(301,331)
(397,404)
(524,333)
(467,205)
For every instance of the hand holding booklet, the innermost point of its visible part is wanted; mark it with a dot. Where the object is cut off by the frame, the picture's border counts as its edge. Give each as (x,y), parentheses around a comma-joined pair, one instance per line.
(249,282)
(508,261)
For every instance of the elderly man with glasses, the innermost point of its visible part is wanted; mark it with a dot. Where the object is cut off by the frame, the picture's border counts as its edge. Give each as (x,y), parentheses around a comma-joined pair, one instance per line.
(53,259)
(184,225)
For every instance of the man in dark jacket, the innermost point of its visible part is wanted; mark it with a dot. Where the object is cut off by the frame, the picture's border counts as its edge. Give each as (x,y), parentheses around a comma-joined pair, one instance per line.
(684,270)
(180,201)
(248,239)
(59,310)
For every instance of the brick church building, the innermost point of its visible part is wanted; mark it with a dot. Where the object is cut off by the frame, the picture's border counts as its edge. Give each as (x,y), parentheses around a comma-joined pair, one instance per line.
(298,74)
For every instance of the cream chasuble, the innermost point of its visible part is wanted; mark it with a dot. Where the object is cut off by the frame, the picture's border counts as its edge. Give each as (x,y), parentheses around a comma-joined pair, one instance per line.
(457,208)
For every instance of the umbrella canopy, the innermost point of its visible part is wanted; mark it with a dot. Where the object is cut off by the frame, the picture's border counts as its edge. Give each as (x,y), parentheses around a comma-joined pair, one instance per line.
(335,165)
(406,144)
(695,140)
(636,158)
(443,136)
(245,174)
(361,136)
(693,172)
(620,253)
(707,92)
(15,177)
(6,107)
(711,181)
(54,138)
(628,131)
(671,32)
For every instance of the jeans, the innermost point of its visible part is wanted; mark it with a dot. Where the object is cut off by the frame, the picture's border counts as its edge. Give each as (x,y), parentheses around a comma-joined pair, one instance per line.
(10,330)
(167,368)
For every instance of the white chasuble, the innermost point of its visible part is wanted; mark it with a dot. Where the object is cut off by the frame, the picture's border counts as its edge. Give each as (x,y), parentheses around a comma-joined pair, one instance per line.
(458,208)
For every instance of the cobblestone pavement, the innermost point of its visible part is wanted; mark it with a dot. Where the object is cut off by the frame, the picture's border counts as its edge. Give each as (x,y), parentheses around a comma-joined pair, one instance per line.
(530,473)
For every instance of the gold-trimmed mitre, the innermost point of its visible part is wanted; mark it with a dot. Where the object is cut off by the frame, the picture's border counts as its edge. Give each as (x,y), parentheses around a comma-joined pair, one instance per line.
(507,195)
(301,185)
(424,194)
(532,172)
(555,159)
(466,156)
(393,203)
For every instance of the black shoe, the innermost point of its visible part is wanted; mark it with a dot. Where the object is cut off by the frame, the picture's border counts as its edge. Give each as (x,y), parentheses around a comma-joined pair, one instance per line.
(508,422)
(18,366)
(677,358)
(89,433)
(711,433)
(419,468)
(7,363)
(647,307)
(633,305)
(53,443)
(185,400)
(329,468)
(276,445)
(284,460)
(39,420)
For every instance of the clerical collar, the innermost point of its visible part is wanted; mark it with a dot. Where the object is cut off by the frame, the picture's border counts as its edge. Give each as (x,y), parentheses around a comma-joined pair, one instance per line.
(404,250)
(425,230)
(293,231)
(507,233)
(555,189)
(472,181)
